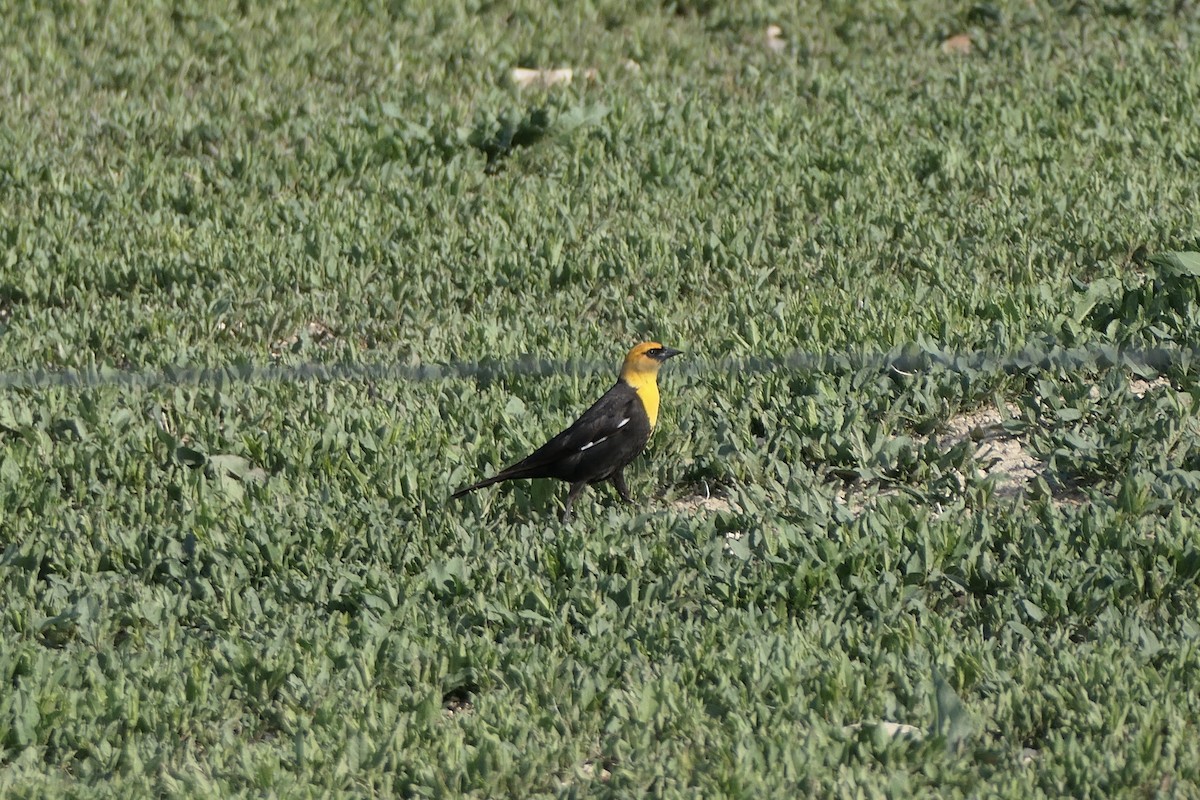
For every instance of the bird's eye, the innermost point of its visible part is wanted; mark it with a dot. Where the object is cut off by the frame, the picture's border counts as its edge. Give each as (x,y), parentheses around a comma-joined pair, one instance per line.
(654,351)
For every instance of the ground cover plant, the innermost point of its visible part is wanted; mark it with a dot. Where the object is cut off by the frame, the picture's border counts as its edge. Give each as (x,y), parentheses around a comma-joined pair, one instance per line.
(920,515)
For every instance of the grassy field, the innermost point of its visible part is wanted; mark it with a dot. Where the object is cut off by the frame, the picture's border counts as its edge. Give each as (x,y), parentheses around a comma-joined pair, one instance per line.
(920,517)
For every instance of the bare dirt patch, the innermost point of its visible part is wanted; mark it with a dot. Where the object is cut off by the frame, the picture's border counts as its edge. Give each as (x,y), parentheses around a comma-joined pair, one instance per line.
(593,769)
(699,503)
(455,708)
(997,452)
(1140,387)
(705,503)
(316,332)
(858,498)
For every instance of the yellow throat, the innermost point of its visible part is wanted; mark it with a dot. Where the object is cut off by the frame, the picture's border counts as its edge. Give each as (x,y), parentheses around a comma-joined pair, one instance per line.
(641,372)
(647,389)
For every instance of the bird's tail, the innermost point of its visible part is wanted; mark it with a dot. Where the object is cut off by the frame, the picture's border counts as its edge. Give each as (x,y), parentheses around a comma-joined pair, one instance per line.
(519,470)
(474,486)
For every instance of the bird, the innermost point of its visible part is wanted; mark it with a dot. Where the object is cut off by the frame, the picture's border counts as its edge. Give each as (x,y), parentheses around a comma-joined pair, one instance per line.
(600,444)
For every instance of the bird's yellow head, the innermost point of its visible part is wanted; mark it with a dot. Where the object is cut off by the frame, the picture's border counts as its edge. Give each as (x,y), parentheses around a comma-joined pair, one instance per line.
(643,362)
(640,371)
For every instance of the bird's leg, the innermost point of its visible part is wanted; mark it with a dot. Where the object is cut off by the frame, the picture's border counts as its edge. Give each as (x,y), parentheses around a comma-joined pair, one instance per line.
(576,488)
(618,482)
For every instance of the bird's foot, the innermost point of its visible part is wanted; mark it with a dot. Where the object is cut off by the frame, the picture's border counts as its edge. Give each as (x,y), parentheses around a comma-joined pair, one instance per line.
(618,482)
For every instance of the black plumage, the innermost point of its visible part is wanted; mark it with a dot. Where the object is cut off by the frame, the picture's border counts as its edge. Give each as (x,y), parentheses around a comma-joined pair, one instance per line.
(605,438)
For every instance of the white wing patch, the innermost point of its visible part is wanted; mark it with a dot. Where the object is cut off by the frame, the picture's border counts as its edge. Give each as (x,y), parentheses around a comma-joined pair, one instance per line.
(624,421)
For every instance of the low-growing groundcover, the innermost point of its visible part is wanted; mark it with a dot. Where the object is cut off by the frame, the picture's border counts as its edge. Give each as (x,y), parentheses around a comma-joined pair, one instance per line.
(275,278)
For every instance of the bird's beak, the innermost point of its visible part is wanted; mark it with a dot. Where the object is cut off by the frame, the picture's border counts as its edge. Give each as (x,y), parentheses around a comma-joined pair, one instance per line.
(670,352)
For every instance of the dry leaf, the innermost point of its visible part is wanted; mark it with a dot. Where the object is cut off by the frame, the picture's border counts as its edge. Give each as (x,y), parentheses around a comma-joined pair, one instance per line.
(774,39)
(958,45)
(524,78)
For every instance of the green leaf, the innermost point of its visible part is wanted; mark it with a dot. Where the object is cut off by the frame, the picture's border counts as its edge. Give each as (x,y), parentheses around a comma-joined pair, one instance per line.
(515,407)
(739,547)
(228,464)
(953,721)
(1179,264)
(580,117)
(1035,613)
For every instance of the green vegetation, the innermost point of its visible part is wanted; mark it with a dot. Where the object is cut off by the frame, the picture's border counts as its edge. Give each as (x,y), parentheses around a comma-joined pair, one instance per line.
(239,587)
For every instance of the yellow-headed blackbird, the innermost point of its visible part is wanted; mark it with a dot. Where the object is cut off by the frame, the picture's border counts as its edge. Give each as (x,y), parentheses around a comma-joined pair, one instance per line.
(608,436)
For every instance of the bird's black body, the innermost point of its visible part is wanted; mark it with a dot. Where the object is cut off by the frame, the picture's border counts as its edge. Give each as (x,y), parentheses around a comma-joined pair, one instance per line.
(595,448)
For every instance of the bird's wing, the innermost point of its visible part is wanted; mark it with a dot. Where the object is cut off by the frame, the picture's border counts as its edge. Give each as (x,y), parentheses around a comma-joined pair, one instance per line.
(618,407)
